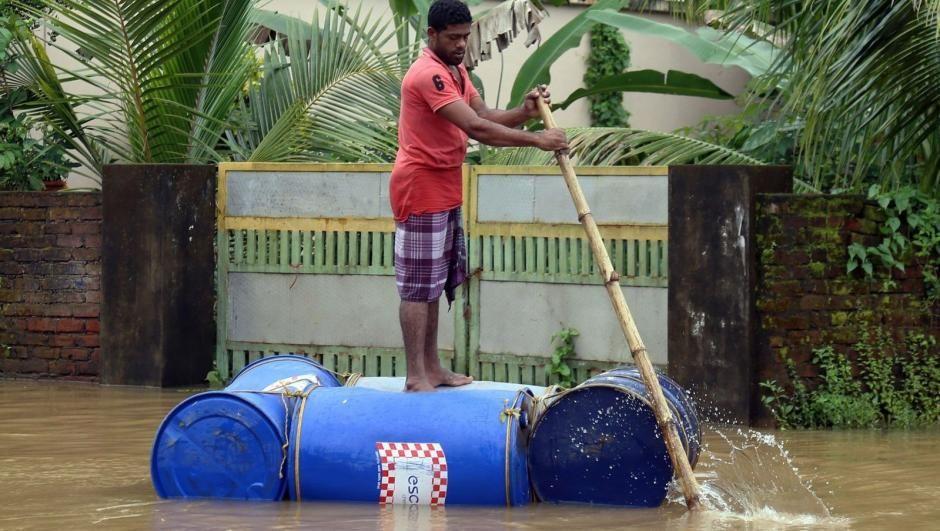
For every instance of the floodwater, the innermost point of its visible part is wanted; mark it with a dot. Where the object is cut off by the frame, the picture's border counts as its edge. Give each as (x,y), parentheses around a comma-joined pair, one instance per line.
(77,456)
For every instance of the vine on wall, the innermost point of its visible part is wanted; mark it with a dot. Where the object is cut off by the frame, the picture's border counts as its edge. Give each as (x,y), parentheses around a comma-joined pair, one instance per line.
(609,55)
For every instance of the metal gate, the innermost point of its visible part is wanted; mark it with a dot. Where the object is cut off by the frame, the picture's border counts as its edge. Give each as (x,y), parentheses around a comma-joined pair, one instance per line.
(305,256)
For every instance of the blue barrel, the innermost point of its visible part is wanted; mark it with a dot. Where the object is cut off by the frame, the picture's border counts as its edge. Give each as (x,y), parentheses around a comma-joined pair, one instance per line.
(445,447)
(222,445)
(266,372)
(600,443)
(678,399)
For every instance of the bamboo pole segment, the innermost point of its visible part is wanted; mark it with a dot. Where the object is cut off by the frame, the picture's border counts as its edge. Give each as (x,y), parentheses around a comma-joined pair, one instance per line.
(667,424)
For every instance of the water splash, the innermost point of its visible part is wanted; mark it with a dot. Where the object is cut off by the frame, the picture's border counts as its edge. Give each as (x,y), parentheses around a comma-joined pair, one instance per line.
(746,475)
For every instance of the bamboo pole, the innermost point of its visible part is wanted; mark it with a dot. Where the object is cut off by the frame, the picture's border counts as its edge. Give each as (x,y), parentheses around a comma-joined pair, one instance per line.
(667,424)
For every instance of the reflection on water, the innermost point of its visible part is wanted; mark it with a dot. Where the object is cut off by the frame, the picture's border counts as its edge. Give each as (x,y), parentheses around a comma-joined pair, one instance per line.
(78,456)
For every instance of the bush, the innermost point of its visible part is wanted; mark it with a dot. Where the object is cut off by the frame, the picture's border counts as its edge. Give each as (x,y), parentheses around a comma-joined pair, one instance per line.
(26,163)
(896,388)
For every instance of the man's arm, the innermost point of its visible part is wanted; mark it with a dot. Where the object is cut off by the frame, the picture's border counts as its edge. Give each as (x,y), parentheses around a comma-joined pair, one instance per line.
(496,134)
(510,117)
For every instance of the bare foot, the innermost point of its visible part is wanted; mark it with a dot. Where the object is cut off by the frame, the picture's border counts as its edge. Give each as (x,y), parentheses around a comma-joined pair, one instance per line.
(447,378)
(417,385)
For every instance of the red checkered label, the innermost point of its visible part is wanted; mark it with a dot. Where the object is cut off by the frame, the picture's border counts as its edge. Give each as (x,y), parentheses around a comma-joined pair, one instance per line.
(411,473)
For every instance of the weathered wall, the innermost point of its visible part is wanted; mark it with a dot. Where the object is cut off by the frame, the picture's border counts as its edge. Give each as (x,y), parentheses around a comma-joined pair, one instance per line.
(712,211)
(805,298)
(50,287)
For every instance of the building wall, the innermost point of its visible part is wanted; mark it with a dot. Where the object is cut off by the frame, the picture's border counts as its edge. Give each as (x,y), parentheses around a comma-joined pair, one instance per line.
(50,284)
(805,298)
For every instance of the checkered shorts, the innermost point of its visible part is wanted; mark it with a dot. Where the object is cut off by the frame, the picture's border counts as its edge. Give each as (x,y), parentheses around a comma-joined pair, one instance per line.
(430,256)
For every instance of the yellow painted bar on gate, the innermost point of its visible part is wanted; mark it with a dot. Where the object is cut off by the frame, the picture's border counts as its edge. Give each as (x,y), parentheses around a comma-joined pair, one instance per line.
(582,170)
(312,224)
(562,230)
(316,167)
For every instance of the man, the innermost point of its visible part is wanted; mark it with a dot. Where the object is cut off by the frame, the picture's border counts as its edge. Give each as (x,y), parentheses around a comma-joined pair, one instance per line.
(440,108)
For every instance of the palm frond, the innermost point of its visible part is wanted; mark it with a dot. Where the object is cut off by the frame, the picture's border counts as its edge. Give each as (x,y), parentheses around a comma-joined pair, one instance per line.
(603,146)
(335,97)
(864,75)
(144,60)
(53,106)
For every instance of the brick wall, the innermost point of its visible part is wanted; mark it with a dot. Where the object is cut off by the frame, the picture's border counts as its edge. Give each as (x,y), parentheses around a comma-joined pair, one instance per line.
(50,286)
(805,298)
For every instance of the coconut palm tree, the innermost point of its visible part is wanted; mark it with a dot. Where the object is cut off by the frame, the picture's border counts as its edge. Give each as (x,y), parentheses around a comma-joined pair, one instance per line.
(181,81)
(328,91)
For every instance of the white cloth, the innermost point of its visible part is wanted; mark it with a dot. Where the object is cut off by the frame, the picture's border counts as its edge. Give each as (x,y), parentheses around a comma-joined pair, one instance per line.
(501,25)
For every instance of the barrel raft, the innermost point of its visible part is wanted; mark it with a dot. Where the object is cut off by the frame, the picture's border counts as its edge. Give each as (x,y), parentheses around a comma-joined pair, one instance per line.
(286,428)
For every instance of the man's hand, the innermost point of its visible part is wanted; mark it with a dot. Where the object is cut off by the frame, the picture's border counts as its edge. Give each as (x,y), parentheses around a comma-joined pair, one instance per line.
(553,140)
(530,105)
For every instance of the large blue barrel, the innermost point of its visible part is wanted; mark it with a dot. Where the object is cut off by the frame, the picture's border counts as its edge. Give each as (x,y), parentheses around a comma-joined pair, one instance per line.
(266,372)
(222,445)
(600,443)
(449,446)
(232,443)
(678,399)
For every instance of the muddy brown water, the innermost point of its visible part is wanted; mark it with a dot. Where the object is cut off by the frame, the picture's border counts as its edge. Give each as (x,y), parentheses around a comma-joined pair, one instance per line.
(77,456)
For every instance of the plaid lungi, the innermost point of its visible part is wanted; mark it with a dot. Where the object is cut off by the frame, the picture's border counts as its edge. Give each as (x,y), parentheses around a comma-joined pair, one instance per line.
(430,256)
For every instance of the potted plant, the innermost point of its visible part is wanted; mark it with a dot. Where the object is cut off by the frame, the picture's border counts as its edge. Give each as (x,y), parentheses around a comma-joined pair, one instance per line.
(27,163)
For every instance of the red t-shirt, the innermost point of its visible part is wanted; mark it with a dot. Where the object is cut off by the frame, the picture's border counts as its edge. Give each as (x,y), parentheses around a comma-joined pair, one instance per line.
(431,149)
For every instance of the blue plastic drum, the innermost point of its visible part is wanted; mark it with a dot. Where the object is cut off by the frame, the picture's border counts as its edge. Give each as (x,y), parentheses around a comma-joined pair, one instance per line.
(446,447)
(267,372)
(600,443)
(678,399)
(231,444)
(221,445)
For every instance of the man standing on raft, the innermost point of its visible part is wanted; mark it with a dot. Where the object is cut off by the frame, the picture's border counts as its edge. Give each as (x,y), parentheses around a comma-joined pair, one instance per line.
(440,108)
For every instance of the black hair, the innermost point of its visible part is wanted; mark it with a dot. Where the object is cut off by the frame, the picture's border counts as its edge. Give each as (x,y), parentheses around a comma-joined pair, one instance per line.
(446,12)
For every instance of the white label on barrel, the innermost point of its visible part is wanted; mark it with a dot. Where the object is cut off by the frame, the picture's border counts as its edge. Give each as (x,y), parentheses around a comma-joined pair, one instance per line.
(293,384)
(411,473)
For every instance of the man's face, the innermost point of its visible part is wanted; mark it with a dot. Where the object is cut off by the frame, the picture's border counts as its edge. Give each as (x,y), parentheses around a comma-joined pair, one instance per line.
(450,44)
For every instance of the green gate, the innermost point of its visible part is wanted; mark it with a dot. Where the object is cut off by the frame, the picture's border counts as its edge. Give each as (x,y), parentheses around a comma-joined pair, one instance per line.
(305,252)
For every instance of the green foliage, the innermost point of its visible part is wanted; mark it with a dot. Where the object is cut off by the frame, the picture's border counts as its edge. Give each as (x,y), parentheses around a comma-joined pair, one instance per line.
(25,163)
(214,377)
(608,146)
(859,80)
(535,70)
(897,388)
(708,45)
(652,81)
(609,56)
(28,157)
(911,234)
(159,79)
(758,132)
(22,9)
(564,349)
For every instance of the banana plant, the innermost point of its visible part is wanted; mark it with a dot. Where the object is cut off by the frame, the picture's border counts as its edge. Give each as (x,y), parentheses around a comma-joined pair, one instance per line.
(707,44)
